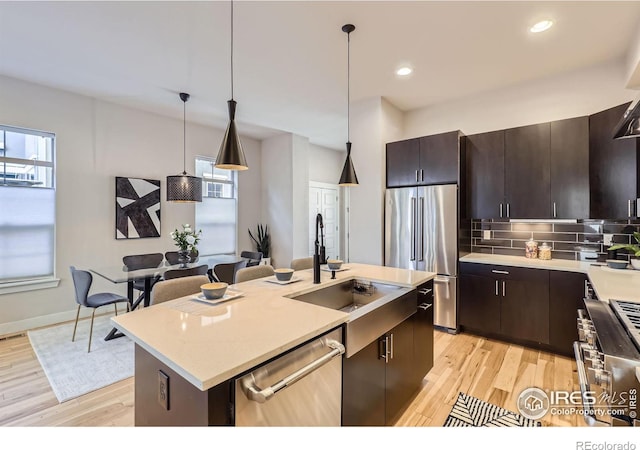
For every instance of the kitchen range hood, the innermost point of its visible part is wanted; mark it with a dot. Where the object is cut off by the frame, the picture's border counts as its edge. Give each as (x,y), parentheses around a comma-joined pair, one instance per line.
(629,125)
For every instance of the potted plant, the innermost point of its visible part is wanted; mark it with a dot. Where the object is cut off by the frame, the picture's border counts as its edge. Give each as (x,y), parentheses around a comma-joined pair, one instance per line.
(263,242)
(186,241)
(633,249)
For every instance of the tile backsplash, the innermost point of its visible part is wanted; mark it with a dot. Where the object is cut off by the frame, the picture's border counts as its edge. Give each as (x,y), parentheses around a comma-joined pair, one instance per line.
(566,239)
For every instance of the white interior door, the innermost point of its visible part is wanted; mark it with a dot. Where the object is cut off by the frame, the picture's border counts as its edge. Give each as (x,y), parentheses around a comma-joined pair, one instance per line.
(323,199)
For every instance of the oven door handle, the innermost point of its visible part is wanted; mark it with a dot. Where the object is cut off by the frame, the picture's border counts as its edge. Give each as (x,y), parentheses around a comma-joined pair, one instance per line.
(253,392)
(584,387)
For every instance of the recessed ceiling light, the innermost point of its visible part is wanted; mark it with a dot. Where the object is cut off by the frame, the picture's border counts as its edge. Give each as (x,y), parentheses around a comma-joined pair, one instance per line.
(541,26)
(404,71)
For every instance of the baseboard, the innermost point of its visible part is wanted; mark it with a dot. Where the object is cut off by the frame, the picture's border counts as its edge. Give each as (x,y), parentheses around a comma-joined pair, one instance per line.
(22,326)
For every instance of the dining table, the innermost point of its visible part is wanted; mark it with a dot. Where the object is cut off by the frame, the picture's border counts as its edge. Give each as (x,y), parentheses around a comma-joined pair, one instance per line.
(121,274)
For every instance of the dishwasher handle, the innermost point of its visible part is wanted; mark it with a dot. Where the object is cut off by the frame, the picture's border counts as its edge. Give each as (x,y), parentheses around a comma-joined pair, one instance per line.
(253,392)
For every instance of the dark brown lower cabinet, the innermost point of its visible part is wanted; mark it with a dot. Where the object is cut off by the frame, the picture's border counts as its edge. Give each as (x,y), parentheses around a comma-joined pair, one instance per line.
(479,303)
(533,307)
(379,380)
(524,306)
(423,333)
(504,301)
(566,296)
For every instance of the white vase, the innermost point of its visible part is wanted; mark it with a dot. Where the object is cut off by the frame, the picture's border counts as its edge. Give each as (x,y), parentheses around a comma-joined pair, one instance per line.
(635,262)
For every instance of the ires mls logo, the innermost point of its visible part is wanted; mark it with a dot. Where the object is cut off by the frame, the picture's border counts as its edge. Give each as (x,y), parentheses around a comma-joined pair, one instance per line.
(534,403)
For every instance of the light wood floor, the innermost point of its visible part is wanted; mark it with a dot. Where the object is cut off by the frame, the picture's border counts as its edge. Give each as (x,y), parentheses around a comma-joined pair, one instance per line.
(486,369)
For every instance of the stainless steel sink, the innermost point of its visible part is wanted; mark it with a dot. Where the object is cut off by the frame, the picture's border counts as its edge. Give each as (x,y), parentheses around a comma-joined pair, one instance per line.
(374,308)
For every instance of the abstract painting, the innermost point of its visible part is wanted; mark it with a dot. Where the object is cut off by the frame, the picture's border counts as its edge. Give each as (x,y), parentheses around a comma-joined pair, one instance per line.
(137,208)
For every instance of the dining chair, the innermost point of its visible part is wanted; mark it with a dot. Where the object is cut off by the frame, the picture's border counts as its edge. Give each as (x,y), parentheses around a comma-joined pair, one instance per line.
(82,281)
(251,273)
(172,257)
(302,263)
(143,261)
(166,290)
(191,271)
(254,258)
(226,272)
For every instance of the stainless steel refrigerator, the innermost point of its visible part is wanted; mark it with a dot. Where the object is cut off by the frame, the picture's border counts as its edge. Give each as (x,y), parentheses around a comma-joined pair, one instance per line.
(421,233)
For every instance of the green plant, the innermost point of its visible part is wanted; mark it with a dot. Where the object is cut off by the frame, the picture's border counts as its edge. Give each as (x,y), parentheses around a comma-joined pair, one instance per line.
(262,240)
(187,239)
(633,249)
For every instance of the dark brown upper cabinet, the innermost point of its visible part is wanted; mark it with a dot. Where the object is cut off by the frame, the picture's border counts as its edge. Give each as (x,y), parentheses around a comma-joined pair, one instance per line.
(527,171)
(426,160)
(532,172)
(485,174)
(570,168)
(613,168)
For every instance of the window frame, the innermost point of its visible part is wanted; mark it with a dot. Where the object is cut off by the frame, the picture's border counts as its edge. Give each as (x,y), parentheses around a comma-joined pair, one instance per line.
(35,282)
(234,183)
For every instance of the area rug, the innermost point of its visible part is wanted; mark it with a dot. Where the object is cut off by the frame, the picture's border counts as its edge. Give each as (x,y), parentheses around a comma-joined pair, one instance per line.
(72,371)
(472,412)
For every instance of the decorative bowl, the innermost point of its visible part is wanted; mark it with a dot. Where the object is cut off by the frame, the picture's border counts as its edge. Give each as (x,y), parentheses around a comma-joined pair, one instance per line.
(212,291)
(616,264)
(334,264)
(283,274)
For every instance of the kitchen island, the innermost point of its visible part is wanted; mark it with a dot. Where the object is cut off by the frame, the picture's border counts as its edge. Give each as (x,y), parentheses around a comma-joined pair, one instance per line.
(201,348)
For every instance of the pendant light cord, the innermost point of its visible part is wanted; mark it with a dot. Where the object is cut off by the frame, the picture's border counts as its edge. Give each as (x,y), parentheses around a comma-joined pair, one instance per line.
(231,49)
(184,137)
(348,84)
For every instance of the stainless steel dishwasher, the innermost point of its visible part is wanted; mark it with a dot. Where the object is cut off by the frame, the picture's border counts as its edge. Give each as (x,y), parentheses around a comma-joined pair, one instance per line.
(300,388)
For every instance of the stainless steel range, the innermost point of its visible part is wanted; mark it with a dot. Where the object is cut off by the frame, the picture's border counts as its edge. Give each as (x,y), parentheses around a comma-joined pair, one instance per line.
(607,356)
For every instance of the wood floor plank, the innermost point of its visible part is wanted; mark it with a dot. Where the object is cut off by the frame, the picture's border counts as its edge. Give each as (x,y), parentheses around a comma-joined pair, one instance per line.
(509,369)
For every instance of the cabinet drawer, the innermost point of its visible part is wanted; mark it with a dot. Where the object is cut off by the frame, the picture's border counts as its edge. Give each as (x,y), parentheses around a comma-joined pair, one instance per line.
(504,272)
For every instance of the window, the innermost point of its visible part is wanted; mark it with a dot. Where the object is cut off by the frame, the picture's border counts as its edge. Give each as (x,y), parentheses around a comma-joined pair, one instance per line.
(27,202)
(216,215)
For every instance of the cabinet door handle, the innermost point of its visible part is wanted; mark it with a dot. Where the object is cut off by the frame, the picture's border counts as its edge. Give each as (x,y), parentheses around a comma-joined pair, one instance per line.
(421,174)
(500,209)
(503,288)
(502,272)
(554,210)
(508,213)
(496,287)
(424,291)
(629,207)
(425,306)
(391,345)
(417,175)
(382,349)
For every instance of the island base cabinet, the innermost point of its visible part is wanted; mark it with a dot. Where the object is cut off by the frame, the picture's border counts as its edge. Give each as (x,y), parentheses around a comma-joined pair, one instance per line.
(423,333)
(379,380)
(164,398)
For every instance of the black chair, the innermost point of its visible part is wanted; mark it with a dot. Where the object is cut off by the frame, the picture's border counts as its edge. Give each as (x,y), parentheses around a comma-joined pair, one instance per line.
(177,273)
(253,257)
(172,257)
(227,272)
(82,281)
(144,261)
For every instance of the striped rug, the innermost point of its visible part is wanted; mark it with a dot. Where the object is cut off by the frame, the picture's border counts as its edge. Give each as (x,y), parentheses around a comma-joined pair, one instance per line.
(472,412)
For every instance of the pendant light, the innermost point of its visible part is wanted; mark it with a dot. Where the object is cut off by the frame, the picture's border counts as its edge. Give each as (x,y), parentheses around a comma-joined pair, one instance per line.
(348,176)
(230,156)
(184,188)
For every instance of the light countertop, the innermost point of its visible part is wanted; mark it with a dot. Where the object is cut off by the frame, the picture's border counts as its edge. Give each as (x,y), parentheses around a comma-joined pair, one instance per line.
(208,344)
(621,284)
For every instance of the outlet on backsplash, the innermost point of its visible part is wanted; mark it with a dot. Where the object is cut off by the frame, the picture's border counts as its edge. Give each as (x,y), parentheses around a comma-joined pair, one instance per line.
(607,238)
(486,234)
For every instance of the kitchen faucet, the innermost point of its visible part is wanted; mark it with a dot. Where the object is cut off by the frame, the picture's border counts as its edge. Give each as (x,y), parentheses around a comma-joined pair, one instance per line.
(319,253)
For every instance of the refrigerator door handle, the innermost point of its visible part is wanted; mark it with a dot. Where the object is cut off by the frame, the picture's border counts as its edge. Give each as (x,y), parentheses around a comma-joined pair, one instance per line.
(413,228)
(421,228)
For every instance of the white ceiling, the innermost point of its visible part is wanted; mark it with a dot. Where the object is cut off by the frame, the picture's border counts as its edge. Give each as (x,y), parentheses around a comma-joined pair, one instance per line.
(291,57)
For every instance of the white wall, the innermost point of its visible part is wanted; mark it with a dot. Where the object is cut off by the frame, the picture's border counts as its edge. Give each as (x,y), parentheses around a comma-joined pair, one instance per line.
(97,141)
(573,94)
(300,199)
(325,164)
